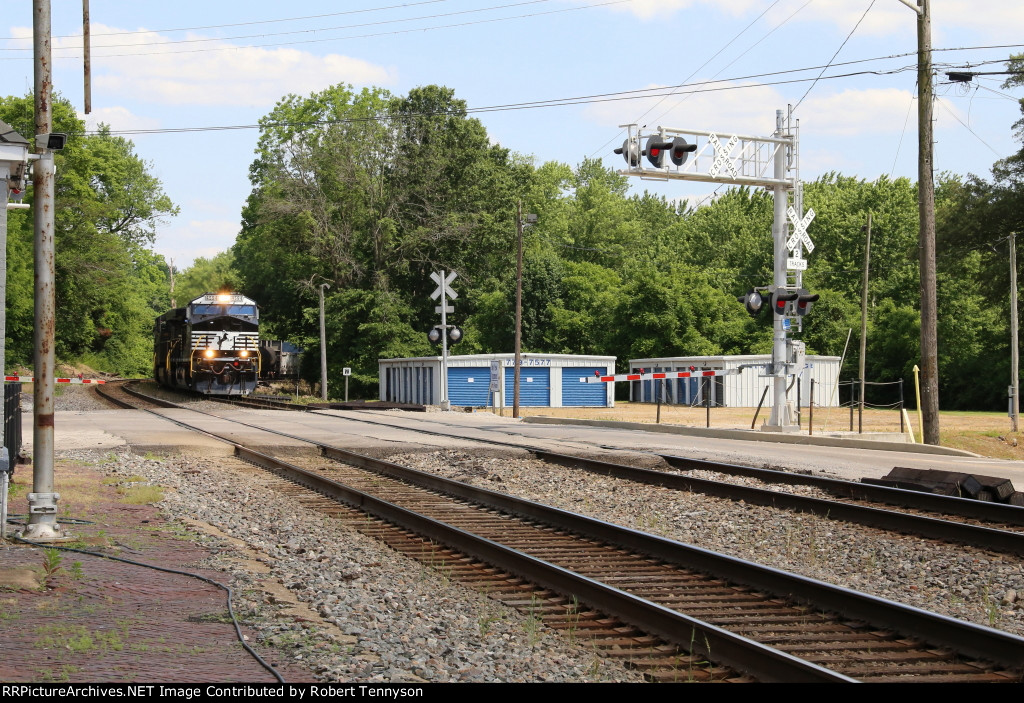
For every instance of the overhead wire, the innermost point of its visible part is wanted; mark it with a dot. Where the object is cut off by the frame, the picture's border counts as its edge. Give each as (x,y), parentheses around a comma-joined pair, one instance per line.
(245,24)
(811,87)
(538,104)
(492,20)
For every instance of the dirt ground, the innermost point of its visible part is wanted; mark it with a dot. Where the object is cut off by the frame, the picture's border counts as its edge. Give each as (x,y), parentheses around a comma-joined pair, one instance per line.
(984,433)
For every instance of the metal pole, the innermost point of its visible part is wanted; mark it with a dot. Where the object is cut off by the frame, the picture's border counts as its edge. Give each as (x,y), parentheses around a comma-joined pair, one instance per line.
(445,403)
(864,313)
(87,57)
(707,402)
(42,521)
(860,408)
(519,307)
(926,208)
(1014,358)
(759,404)
(323,346)
(901,406)
(6,460)
(810,412)
(779,417)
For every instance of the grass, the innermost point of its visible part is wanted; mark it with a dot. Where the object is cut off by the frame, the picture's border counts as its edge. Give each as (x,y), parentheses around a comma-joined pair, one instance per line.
(141,495)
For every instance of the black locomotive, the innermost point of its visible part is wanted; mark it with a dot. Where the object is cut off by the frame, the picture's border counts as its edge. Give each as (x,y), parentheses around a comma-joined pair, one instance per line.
(210,346)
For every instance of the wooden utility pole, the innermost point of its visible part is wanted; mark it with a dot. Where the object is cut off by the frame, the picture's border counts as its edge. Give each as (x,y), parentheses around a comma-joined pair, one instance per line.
(1014,370)
(926,236)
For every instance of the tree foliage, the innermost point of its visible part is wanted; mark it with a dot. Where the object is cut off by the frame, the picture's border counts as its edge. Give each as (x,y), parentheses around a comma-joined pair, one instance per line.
(109,284)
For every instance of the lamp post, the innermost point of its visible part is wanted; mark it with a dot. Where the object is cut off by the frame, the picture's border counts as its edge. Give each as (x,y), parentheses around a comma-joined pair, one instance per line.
(530,219)
(323,346)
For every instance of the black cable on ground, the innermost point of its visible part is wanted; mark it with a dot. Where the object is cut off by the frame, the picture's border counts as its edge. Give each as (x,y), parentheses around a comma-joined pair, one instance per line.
(227,589)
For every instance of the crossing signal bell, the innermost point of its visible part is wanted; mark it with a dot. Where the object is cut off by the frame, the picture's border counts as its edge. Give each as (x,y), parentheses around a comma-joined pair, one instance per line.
(804,300)
(753,301)
(630,151)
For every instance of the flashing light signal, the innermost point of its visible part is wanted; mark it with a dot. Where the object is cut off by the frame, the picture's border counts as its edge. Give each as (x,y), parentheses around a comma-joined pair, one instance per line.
(804,300)
(781,300)
(680,150)
(656,149)
(455,334)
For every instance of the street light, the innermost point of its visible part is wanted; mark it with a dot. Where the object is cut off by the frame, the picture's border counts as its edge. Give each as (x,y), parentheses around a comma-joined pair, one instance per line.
(323,346)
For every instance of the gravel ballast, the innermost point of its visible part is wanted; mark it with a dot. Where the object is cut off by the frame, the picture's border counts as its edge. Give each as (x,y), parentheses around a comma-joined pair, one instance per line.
(959,581)
(379,617)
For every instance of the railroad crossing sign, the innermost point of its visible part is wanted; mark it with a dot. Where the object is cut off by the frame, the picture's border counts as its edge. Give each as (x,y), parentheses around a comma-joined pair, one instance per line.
(799,235)
(722,155)
(443,286)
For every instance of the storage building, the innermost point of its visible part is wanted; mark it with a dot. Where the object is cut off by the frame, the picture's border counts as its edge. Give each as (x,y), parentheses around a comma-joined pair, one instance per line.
(545,380)
(743,390)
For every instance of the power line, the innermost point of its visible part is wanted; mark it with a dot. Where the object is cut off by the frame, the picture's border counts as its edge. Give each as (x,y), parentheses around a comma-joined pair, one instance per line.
(811,87)
(201,40)
(354,36)
(242,24)
(554,102)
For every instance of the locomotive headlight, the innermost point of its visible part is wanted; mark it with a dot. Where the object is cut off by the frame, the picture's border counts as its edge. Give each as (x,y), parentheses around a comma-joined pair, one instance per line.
(244,353)
(209,353)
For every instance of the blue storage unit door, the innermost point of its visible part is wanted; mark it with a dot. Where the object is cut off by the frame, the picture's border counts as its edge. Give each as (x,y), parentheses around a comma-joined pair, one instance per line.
(468,386)
(578,394)
(534,386)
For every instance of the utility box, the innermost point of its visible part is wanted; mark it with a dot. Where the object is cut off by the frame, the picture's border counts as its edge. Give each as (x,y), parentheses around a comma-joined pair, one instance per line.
(12,426)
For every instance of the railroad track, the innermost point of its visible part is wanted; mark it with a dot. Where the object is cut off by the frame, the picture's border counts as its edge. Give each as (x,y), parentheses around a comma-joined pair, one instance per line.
(987,525)
(759,621)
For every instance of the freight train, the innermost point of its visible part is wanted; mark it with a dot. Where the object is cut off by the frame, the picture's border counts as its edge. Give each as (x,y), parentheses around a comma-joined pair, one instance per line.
(211,346)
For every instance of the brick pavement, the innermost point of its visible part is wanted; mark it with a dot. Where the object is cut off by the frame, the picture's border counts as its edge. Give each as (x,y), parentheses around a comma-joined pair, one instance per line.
(98,620)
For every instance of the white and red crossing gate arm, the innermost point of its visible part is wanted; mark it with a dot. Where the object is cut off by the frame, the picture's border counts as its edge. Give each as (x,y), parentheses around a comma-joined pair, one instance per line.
(658,376)
(30,379)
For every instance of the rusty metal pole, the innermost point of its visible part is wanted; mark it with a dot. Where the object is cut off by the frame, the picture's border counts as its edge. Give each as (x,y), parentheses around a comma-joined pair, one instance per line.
(42,521)
(87,58)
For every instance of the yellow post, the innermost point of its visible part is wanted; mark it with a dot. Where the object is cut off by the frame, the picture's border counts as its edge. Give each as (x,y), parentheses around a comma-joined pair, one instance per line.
(917,389)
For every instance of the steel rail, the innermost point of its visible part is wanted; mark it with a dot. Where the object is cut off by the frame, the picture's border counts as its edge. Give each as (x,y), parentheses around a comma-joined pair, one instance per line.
(967,638)
(760,661)
(932,528)
(975,641)
(964,507)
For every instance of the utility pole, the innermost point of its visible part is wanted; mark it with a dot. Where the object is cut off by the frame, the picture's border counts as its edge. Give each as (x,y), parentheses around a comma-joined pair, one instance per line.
(519,307)
(926,235)
(1014,370)
(42,522)
(864,316)
(323,345)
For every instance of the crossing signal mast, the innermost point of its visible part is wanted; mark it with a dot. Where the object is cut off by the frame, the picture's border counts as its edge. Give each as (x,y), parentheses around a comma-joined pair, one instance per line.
(767,162)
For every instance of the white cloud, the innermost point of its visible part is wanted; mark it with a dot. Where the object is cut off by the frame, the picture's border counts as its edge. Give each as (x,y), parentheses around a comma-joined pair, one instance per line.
(119,118)
(858,112)
(748,110)
(167,73)
(206,238)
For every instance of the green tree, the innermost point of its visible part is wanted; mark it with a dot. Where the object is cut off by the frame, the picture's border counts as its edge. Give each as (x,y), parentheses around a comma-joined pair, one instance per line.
(107,209)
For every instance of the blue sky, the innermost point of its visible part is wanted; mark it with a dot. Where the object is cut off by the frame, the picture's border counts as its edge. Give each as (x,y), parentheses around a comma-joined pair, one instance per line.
(192,64)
